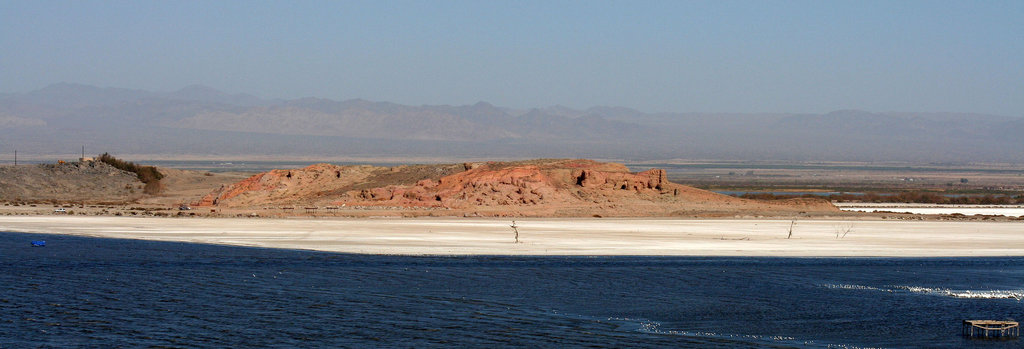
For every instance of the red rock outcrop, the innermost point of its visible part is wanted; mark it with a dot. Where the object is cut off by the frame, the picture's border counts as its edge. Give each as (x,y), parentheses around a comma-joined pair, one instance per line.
(536,187)
(288,186)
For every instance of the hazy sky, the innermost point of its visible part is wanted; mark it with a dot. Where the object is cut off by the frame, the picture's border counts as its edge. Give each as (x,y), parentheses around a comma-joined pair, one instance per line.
(680,56)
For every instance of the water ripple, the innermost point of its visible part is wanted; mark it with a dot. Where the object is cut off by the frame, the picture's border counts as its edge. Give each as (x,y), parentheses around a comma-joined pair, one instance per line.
(84,292)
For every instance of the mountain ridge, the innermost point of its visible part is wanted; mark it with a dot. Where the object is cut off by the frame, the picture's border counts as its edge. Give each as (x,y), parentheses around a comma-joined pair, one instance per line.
(198,119)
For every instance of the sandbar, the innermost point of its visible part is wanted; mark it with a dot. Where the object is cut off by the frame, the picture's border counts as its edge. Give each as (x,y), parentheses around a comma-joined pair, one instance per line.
(562,236)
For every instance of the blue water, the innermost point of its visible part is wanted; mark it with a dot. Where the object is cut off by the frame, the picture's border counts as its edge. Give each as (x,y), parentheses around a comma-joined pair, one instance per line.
(96,292)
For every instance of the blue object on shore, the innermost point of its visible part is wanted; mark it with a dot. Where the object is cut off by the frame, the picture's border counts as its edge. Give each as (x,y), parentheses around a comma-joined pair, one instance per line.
(38,243)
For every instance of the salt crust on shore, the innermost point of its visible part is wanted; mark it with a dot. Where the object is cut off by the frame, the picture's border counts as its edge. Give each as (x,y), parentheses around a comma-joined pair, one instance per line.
(583,236)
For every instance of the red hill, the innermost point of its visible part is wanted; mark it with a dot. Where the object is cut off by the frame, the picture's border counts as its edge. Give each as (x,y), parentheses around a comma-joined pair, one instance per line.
(523,188)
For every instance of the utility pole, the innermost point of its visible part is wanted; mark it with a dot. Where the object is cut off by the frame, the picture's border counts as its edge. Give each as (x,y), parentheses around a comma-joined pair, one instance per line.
(15,157)
(83,152)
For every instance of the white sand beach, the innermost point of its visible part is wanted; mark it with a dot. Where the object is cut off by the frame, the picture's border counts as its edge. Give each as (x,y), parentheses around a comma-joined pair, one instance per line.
(584,236)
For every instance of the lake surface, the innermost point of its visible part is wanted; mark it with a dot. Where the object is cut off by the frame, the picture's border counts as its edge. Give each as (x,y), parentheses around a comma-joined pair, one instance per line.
(252,166)
(784,193)
(97,292)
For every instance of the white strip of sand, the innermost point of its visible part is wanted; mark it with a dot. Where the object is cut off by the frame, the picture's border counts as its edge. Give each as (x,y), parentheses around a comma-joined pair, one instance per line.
(584,236)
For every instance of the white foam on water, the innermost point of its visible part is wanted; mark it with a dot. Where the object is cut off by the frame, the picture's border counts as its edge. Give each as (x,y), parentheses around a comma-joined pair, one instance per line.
(853,287)
(934,291)
(973,294)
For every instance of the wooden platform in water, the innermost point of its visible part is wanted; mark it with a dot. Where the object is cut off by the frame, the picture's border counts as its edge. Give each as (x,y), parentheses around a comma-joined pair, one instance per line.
(997,329)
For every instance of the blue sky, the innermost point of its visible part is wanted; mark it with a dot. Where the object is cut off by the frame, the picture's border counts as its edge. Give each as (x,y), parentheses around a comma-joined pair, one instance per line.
(678,56)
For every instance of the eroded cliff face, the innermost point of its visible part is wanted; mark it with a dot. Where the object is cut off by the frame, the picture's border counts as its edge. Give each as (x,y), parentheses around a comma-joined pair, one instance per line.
(287,186)
(536,187)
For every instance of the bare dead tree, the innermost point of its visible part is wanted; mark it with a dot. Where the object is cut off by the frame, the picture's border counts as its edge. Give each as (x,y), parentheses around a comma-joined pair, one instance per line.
(515,228)
(791,224)
(843,229)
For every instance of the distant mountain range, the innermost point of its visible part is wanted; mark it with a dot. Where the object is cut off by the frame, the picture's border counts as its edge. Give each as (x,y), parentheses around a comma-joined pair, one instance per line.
(199,120)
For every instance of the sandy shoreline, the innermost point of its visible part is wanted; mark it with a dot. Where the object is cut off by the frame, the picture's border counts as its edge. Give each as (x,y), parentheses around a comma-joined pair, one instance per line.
(584,236)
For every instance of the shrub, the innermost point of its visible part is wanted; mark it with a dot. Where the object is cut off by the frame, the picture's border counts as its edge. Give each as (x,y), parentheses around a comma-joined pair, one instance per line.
(147,174)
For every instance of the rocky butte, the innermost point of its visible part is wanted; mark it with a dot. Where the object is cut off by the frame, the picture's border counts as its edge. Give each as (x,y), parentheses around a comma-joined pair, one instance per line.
(535,188)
